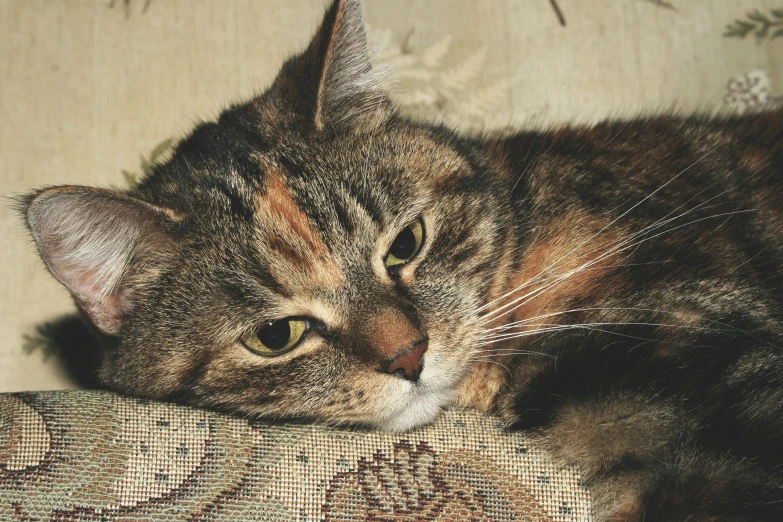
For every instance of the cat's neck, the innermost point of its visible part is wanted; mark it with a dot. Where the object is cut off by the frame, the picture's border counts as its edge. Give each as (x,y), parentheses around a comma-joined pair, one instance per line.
(485,380)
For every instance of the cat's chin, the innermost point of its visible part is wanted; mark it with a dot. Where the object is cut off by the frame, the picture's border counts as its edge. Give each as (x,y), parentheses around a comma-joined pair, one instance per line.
(422,406)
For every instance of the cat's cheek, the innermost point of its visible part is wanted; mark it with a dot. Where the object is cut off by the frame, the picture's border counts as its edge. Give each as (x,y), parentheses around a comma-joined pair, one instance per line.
(480,386)
(452,347)
(440,371)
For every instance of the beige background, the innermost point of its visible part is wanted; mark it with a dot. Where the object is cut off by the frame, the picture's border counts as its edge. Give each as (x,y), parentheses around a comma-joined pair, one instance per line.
(85,88)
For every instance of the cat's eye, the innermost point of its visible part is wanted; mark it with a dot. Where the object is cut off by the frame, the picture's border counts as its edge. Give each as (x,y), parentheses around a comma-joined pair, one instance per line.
(277,337)
(405,245)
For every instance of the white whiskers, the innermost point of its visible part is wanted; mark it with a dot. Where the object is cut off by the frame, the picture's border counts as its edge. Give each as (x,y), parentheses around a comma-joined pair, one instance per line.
(545,280)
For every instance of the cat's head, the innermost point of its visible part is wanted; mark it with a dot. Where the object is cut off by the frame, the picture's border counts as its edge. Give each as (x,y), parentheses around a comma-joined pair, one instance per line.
(311,254)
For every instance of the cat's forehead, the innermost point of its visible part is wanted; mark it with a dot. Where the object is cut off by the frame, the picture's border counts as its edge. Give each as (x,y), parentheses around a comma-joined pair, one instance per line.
(396,162)
(304,210)
(328,208)
(297,247)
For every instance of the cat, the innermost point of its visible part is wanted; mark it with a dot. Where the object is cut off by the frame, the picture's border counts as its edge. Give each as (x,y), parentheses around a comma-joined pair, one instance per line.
(615,289)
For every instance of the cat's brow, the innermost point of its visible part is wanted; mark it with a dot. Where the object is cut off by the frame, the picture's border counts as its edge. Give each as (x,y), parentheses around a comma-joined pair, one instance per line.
(288,232)
(278,205)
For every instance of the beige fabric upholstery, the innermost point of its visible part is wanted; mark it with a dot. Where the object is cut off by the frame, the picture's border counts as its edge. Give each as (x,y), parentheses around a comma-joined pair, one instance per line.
(97,456)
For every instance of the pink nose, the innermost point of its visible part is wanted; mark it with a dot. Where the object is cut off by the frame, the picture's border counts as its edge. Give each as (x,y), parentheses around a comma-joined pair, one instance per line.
(409,364)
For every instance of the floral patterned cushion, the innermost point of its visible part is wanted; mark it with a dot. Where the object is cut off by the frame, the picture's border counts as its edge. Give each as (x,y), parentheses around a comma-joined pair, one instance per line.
(81,455)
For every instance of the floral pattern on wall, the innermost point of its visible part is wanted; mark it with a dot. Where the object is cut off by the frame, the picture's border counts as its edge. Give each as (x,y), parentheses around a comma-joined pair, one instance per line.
(422,81)
(751,92)
(758,24)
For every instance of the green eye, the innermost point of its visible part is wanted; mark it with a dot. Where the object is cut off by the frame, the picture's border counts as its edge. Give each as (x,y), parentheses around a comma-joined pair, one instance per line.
(405,245)
(277,337)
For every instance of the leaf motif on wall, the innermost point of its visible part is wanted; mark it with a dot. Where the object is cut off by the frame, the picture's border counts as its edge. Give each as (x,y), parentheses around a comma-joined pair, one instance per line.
(146,164)
(759,24)
(426,96)
(433,55)
(488,98)
(126,6)
(431,78)
(458,77)
(40,341)
(661,3)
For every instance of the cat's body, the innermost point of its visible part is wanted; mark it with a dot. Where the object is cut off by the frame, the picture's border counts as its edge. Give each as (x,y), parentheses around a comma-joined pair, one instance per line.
(675,273)
(618,289)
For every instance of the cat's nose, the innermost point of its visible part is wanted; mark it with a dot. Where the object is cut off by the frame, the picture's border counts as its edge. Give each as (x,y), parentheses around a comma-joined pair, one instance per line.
(409,364)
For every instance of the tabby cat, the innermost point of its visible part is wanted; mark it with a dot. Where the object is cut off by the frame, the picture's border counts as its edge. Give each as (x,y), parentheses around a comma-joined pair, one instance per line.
(616,289)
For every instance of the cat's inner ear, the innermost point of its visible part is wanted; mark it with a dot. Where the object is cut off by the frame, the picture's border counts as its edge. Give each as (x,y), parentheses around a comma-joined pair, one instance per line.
(101,245)
(333,84)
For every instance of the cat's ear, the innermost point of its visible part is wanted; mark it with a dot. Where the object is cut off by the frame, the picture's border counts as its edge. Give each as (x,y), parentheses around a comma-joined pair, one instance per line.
(101,245)
(332,85)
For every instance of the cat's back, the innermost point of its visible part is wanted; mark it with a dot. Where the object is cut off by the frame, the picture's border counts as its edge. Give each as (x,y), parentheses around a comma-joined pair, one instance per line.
(657,202)
(655,164)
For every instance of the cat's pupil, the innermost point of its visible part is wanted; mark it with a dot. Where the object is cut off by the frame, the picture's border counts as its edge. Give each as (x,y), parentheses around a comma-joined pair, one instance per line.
(275,335)
(404,245)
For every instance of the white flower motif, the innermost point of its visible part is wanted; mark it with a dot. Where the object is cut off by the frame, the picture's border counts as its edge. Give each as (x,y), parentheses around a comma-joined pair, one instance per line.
(749,92)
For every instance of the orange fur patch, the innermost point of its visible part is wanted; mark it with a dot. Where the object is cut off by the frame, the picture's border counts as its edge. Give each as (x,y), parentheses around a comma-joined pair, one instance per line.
(558,266)
(283,209)
(479,388)
(628,509)
(289,233)
(754,159)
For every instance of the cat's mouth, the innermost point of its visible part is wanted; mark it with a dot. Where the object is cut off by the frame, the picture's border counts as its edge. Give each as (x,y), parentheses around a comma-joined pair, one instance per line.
(420,403)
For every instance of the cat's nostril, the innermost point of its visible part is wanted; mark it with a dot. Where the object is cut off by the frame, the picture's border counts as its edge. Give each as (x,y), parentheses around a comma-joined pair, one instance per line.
(409,365)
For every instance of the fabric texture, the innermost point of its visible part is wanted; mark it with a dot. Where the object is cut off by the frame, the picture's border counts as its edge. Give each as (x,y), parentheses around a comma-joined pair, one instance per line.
(79,455)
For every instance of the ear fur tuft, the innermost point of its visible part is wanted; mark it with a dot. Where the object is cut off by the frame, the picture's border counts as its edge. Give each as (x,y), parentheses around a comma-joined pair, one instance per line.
(349,86)
(332,84)
(95,242)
